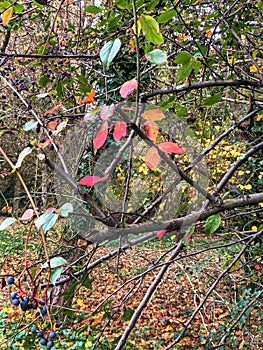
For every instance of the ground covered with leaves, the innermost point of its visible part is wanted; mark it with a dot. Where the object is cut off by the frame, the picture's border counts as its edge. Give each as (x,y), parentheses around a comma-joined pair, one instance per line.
(103,306)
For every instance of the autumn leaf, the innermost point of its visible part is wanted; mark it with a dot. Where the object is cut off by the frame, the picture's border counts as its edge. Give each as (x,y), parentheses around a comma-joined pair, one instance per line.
(107,112)
(44,144)
(120,130)
(128,87)
(153,115)
(52,125)
(53,109)
(28,215)
(160,233)
(89,98)
(170,147)
(6,16)
(152,158)
(92,180)
(100,136)
(151,130)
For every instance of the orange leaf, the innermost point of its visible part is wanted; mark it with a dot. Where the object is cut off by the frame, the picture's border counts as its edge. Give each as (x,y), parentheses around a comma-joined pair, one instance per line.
(257,267)
(151,130)
(52,125)
(92,180)
(170,147)
(152,158)
(128,87)
(53,109)
(6,16)
(161,233)
(153,114)
(120,130)
(100,136)
(89,98)
(44,144)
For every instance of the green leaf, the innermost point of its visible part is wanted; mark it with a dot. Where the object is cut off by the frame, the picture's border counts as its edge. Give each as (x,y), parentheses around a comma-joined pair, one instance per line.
(7,222)
(209,101)
(151,29)
(55,262)
(61,126)
(212,223)
(65,210)
(157,56)
(109,51)
(43,81)
(183,57)
(127,315)
(43,219)
(122,4)
(87,282)
(30,125)
(56,274)
(50,223)
(4,5)
(166,16)
(92,9)
(184,71)
(18,8)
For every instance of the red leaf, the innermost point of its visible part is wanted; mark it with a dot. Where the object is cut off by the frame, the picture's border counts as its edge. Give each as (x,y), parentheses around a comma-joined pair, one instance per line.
(151,130)
(170,147)
(100,136)
(128,87)
(152,158)
(161,233)
(53,109)
(120,130)
(89,98)
(52,125)
(92,180)
(153,114)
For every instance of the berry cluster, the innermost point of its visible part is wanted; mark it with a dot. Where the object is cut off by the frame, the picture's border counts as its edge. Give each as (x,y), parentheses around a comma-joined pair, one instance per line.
(44,340)
(30,302)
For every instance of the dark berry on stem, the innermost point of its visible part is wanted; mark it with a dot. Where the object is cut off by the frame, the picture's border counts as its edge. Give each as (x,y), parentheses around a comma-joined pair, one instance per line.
(52,334)
(43,310)
(15,302)
(33,329)
(43,341)
(10,280)
(50,344)
(13,295)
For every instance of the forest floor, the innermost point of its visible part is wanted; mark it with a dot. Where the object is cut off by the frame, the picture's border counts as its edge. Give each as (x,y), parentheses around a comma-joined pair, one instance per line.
(102,309)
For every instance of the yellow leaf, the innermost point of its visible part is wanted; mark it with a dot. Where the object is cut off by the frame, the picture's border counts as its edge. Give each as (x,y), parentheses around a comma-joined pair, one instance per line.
(88,343)
(6,16)
(253,69)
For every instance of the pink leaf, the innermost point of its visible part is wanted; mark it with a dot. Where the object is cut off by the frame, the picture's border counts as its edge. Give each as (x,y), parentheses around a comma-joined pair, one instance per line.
(161,233)
(128,87)
(52,125)
(107,112)
(170,147)
(100,136)
(152,158)
(151,130)
(28,214)
(119,131)
(92,180)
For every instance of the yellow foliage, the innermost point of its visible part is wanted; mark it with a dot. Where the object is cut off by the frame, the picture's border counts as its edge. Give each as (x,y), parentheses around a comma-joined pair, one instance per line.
(7,15)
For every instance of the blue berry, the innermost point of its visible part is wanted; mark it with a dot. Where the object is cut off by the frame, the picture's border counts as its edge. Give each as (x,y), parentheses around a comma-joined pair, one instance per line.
(13,295)
(43,310)
(43,341)
(24,305)
(33,329)
(40,334)
(52,334)
(15,302)
(50,344)
(10,280)
(26,299)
